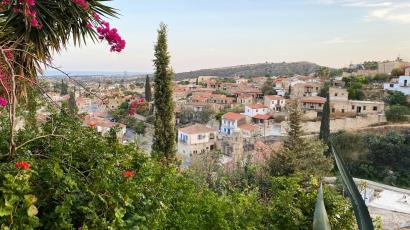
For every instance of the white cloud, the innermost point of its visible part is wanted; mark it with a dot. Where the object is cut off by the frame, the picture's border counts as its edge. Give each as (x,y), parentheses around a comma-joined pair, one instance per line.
(340,40)
(392,11)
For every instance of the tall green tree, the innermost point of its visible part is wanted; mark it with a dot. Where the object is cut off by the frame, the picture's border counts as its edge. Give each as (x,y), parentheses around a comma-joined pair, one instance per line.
(148,93)
(64,88)
(164,145)
(300,155)
(295,132)
(267,87)
(324,134)
(72,104)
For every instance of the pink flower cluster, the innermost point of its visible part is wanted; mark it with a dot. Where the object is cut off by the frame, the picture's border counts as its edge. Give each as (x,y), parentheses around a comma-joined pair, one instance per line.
(111,35)
(3,102)
(26,9)
(82,3)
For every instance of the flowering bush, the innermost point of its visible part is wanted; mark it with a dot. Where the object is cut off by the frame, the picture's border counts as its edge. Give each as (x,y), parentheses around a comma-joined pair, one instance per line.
(128,173)
(23,165)
(32,13)
(3,102)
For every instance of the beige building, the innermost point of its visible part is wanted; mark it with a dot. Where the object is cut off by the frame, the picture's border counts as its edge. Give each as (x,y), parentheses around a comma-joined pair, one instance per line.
(313,103)
(339,103)
(387,66)
(305,90)
(196,139)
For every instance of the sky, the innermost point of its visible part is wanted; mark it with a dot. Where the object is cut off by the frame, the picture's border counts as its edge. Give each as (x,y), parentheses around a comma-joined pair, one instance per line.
(218,33)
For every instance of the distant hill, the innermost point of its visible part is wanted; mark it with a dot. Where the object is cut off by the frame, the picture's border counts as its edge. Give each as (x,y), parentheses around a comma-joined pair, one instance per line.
(302,68)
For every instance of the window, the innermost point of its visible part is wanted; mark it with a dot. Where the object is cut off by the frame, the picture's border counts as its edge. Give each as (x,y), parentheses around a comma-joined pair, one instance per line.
(374,108)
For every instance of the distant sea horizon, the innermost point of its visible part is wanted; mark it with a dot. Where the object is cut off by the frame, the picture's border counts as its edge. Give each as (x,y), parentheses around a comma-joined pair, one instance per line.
(74,73)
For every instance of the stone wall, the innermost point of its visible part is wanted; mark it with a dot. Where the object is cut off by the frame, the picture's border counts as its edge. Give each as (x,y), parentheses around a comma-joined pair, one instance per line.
(347,123)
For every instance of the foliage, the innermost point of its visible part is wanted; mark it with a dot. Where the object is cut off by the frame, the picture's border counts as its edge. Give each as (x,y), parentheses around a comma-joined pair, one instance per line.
(300,155)
(396,72)
(148,93)
(121,112)
(297,197)
(381,77)
(274,69)
(371,65)
(396,98)
(57,23)
(320,219)
(324,134)
(383,158)
(72,104)
(187,116)
(64,88)
(354,85)
(364,221)
(397,113)
(164,144)
(135,124)
(267,87)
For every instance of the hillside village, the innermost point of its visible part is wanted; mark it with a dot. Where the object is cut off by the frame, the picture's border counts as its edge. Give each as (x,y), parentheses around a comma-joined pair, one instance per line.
(240,117)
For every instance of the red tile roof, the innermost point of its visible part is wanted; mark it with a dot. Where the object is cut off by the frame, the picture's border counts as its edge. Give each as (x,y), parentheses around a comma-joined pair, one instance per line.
(262,117)
(232,116)
(315,99)
(274,97)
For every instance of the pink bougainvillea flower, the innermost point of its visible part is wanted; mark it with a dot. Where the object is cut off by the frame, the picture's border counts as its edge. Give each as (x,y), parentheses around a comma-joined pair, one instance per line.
(31,2)
(128,173)
(23,165)
(111,36)
(82,3)
(8,53)
(3,102)
(96,16)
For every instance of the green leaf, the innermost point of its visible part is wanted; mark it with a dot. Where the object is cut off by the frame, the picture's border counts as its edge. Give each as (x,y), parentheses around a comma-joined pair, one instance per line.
(5,211)
(364,221)
(320,219)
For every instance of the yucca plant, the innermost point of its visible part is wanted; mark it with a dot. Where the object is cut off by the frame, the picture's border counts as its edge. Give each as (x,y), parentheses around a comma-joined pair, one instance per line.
(320,219)
(364,221)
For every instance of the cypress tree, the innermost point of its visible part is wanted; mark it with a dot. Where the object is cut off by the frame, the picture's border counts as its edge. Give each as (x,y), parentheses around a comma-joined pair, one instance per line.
(64,88)
(72,105)
(294,139)
(164,144)
(148,94)
(324,134)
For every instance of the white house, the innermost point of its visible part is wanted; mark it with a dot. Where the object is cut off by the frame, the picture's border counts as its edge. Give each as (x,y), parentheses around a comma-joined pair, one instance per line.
(255,109)
(401,84)
(230,122)
(275,103)
(195,139)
